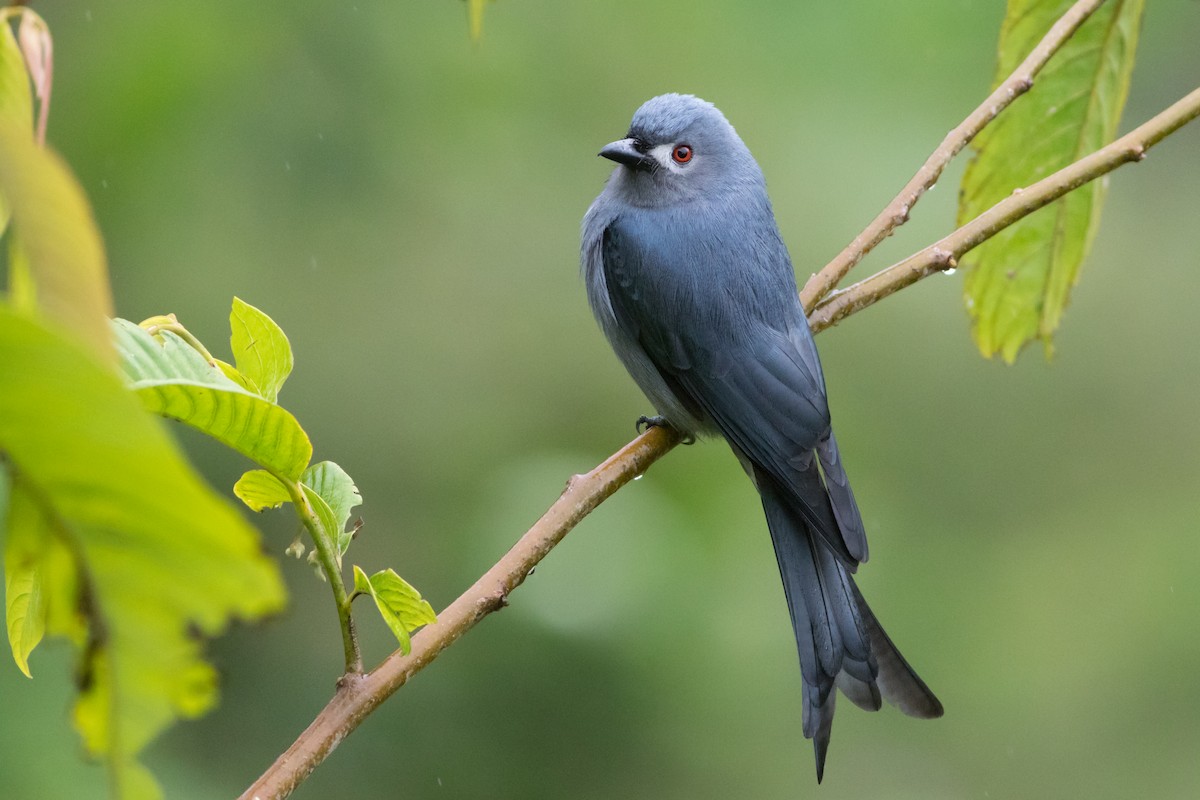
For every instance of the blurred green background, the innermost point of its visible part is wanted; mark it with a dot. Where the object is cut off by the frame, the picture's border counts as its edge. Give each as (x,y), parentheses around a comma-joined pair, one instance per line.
(406,204)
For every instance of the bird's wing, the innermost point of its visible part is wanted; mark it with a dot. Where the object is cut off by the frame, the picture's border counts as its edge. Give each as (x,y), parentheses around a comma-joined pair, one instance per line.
(761,385)
(771,408)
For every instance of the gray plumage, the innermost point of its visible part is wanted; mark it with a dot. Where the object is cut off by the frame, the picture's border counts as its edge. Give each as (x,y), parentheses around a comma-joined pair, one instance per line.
(694,288)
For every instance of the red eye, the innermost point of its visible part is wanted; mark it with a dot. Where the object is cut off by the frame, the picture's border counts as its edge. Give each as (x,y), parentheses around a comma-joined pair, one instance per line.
(682,154)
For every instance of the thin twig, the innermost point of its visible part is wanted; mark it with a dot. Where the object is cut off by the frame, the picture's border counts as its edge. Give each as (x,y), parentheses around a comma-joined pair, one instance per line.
(946,253)
(328,559)
(357,696)
(896,212)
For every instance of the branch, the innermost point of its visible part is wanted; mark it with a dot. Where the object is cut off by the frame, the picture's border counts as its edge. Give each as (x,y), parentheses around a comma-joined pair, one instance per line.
(358,695)
(896,212)
(944,254)
(330,564)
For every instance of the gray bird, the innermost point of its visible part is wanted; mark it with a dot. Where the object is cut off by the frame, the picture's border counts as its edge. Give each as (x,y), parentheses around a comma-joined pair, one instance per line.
(693,286)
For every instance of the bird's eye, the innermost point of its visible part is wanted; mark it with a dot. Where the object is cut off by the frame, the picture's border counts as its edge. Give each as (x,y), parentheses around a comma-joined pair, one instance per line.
(682,154)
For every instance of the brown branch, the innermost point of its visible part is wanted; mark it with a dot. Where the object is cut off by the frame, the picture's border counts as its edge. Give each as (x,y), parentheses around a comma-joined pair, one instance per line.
(944,254)
(358,695)
(896,212)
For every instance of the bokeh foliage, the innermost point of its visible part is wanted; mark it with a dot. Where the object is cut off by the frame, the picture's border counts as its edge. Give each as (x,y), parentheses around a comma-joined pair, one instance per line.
(409,203)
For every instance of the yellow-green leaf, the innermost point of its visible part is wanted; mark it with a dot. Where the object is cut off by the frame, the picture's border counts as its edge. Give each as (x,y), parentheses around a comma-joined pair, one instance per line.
(241,380)
(164,557)
(400,605)
(337,489)
(1019,282)
(325,516)
(16,97)
(261,350)
(16,100)
(261,490)
(58,238)
(22,292)
(174,380)
(24,600)
(40,577)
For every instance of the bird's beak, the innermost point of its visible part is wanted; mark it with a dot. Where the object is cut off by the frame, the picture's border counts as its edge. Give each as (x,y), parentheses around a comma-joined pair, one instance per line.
(625,151)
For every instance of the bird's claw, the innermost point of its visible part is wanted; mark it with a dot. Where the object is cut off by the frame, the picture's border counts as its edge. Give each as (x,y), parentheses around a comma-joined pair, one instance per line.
(645,423)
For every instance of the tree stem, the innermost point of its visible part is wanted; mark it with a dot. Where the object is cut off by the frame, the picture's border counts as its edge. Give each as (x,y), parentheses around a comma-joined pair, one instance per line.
(896,212)
(945,253)
(333,571)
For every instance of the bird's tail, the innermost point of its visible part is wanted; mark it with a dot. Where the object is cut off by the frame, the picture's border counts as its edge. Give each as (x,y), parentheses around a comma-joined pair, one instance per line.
(840,642)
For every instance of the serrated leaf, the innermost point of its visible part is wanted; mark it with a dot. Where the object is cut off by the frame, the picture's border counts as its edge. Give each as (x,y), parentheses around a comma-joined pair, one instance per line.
(1019,282)
(174,380)
(261,490)
(261,350)
(400,605)
(337,488)
(59,240)
(164,556)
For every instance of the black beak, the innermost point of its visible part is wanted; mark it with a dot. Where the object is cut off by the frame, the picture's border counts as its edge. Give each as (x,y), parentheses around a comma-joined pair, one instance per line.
(627,152)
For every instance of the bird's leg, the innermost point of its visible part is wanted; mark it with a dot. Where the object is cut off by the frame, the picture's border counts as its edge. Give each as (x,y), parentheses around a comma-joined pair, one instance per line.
(645,423)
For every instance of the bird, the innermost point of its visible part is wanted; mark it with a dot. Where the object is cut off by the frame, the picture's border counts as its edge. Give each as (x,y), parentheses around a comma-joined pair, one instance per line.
(691,283)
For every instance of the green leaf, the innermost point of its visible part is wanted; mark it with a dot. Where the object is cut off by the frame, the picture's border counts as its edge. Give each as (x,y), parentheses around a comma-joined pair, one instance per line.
(16,99)
(325,516)
(58,238)
(1019,282)
(22,292)
(24,599)
(337,489)
(16,96)
(330,491)
(261,351)
(40,577)
(400,605)
(164,557)
(174,380)
(261,490)
(230,371)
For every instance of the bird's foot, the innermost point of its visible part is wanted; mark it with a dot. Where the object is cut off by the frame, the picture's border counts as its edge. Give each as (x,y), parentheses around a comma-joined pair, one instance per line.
(645,423)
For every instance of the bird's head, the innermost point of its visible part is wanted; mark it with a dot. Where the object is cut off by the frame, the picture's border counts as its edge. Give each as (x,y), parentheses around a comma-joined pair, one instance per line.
(679,148)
